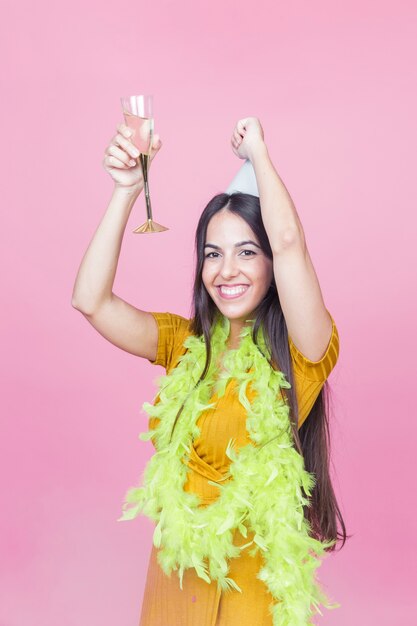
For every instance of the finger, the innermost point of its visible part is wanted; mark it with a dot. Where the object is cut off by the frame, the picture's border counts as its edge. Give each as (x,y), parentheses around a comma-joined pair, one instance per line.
(156,143)
(235,150)
(240,134)
(125,130)
(237,136)
(112,161)
(121,155)
(126,144)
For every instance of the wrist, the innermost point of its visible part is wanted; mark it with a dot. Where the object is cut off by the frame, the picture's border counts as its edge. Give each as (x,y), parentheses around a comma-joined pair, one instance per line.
(128,191)
(257,152)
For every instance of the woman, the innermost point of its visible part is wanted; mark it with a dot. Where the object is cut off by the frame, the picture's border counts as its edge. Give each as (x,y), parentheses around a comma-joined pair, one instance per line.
(239,484)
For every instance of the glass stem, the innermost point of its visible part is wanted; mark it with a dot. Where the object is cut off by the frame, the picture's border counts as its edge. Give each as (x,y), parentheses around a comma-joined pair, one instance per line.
(144,159)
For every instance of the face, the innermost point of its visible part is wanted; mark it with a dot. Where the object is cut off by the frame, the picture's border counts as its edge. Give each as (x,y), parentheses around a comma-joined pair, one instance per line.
(236,275)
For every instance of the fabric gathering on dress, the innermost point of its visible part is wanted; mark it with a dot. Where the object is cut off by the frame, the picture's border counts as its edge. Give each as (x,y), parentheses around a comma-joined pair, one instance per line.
(200,603)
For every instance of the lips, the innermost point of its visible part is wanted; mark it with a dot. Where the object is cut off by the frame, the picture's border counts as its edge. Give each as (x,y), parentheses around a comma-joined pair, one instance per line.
(229,296)
(231,286)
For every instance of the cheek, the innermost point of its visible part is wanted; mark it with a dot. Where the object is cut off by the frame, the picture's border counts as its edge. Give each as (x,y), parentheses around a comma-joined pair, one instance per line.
(264,277)
(263,272)
(206,275)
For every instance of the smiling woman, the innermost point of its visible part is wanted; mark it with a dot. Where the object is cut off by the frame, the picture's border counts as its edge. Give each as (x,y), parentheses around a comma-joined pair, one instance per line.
(238,275)
(235,284)
(239,485)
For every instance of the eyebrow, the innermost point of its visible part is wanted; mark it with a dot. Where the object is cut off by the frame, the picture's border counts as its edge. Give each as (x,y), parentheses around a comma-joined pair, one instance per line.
(237,245)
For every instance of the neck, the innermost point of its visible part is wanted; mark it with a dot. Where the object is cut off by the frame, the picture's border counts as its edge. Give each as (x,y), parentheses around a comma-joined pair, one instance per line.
(233,339)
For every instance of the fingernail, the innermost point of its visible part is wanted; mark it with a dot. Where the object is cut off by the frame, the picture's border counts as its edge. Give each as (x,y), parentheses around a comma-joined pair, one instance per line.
(132,162)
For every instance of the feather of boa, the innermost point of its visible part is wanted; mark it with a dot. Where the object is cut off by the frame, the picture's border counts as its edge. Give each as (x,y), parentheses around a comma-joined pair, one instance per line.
(264,493)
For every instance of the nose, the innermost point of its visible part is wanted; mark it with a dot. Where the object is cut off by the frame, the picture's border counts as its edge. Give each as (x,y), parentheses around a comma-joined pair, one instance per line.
(229,267)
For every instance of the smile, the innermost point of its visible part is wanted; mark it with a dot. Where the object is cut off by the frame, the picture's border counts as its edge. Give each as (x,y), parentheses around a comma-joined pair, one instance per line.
(232,292)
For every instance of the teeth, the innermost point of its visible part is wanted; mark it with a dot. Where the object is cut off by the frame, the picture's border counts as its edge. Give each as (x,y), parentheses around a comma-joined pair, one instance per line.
(231,292)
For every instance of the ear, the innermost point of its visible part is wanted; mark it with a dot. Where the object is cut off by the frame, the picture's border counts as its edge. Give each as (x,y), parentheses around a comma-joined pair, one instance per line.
(245,180)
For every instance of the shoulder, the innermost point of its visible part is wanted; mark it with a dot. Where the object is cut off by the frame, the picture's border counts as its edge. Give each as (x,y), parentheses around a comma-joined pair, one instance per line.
(171,323)
(173,329)
(317,370)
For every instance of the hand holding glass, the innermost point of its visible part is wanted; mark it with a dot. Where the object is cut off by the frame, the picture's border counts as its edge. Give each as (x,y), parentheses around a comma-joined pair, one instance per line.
(138,114)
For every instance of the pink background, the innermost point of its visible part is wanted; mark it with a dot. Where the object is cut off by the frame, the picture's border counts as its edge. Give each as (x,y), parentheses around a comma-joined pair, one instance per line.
(334,85)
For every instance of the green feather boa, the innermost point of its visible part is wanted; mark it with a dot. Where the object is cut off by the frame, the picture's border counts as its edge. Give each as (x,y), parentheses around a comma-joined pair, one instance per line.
(265,493)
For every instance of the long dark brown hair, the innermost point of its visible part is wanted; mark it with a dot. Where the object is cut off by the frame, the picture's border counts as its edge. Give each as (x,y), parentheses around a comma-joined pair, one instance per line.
(312,440)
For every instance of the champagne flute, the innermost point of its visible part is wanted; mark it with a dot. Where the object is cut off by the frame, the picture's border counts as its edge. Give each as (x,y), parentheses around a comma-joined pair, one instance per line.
(138,114)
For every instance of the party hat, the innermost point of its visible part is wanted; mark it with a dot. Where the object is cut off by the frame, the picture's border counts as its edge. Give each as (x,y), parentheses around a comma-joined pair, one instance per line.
(245,180)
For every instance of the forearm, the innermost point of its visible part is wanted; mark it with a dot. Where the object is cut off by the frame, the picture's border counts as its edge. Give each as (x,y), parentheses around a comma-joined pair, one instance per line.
(96,274)
(279,214)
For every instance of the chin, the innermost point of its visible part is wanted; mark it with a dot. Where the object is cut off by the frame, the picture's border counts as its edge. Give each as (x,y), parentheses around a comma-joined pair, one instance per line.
(236,315)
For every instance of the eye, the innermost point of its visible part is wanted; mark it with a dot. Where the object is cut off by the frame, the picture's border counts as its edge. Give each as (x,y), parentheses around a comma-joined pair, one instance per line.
(250,253)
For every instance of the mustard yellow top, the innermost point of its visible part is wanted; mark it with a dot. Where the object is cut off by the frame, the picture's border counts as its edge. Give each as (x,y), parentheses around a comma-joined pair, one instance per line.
(199,603)
(309,376)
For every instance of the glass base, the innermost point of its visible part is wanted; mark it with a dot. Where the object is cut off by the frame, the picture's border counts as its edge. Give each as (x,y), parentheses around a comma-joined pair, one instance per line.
(150,227)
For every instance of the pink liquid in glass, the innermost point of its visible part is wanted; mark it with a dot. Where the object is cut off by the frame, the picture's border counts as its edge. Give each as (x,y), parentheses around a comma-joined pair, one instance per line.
(142,131)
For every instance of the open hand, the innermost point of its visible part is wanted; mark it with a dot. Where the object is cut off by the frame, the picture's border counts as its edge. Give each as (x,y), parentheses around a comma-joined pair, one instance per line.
(247,135)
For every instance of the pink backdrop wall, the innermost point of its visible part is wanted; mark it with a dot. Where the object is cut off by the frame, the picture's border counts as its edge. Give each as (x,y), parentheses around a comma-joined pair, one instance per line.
(334,85)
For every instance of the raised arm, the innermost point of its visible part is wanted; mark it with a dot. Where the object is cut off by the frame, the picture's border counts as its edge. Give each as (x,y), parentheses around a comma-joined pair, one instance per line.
(308,321)
(127,327)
